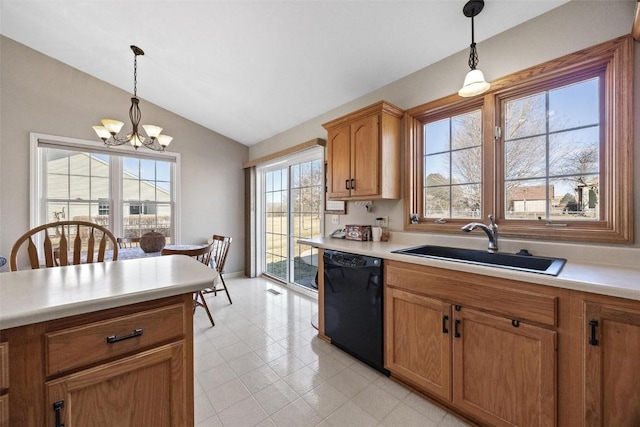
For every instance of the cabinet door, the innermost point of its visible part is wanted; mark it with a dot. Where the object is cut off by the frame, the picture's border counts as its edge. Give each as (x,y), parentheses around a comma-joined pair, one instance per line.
(365,157)
(418,343)
(147,389)
(504,372)
(4,410)
(612,366)
(339,162)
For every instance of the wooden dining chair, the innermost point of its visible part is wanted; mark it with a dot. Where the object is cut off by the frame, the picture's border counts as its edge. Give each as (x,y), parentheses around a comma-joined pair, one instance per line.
(85,241)
(219,254)
(204,256)
(128,242)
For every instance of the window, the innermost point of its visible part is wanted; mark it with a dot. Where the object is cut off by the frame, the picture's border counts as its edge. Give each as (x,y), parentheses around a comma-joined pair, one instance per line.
(452,166)
(546,151)
(78,180)
(551,150)
(291,208)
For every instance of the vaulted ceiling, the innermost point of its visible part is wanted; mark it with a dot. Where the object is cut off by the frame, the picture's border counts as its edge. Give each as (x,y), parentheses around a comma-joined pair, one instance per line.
(270,64)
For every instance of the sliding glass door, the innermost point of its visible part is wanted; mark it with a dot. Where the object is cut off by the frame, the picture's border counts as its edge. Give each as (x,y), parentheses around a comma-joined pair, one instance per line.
(292,208)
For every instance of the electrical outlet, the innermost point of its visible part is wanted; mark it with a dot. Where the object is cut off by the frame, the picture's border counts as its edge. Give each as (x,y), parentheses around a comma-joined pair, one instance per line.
(335,219)
(382,221)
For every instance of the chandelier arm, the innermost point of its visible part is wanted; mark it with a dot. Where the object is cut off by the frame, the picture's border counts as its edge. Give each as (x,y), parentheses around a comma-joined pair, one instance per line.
(115,140)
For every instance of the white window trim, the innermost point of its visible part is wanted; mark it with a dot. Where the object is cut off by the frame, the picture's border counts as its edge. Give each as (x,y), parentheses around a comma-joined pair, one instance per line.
(37,163)
(306,155)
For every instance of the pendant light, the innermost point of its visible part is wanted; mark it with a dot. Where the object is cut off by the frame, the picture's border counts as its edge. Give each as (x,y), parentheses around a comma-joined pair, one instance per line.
(108,132)
(474,82)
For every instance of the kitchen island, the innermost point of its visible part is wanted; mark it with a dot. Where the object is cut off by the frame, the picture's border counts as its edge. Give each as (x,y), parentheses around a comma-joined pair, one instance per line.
(504,347)
(100,344)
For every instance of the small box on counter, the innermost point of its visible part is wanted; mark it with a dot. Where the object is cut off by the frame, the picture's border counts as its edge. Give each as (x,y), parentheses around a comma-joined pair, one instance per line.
(358,232)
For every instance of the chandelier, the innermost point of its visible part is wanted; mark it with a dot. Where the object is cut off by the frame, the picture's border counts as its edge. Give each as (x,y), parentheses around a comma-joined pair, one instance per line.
(108,132)
(474,82)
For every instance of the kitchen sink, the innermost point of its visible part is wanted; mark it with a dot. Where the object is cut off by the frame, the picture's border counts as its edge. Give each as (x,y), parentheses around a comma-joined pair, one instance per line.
(520,262)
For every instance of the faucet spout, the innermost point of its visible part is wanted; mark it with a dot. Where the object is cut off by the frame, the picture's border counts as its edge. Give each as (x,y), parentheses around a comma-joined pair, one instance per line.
(491,231)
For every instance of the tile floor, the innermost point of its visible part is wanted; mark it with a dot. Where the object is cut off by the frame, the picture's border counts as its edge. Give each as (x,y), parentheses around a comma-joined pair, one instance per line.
(263,365)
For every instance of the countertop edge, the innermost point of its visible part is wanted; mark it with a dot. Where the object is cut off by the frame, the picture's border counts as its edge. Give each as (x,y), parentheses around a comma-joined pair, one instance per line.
(42,310)
(594,278)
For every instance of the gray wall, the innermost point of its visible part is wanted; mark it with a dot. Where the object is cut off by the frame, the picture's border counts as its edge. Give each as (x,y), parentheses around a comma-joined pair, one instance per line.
(40,94)
(569,28)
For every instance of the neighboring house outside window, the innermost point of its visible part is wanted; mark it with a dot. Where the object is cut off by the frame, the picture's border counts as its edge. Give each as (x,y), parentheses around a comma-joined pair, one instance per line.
(76,180)
(546,151)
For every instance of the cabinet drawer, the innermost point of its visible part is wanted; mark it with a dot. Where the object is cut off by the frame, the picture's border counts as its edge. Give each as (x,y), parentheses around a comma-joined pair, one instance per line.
(83,345)
(4,366)
(517,300)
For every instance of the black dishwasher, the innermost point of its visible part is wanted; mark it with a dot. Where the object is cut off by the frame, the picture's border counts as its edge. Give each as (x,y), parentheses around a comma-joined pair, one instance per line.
(353,305)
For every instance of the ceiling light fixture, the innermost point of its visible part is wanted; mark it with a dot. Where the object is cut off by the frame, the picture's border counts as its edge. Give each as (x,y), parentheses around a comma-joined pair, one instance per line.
(474,82)
(109,130)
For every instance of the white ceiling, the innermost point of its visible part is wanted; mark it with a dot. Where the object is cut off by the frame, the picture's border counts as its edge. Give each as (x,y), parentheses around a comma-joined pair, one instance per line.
(252,69)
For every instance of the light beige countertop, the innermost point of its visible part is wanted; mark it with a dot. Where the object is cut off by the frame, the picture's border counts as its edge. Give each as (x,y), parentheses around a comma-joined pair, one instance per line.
(33,296)
(612,280)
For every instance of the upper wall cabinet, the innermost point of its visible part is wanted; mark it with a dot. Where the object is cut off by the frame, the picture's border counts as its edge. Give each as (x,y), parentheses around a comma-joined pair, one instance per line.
(363,150)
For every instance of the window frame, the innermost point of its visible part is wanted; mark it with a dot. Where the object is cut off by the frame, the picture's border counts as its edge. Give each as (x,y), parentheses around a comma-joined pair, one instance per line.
(37,213)
(615,59)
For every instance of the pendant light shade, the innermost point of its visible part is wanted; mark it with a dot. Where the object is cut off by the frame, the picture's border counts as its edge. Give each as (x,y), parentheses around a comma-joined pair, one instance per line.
(474,82)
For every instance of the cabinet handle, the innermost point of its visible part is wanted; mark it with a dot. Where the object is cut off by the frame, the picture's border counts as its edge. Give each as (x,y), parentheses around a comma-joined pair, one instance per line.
(346,184)
(456,331)
(113,339)
(445,319)
(592,339)
(353,184)
(57,409)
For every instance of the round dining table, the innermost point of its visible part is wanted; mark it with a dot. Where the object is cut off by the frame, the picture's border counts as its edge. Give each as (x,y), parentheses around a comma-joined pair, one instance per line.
(137,252)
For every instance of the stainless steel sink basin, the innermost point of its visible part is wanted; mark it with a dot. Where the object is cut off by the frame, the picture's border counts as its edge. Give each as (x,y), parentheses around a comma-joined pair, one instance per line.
(529,263)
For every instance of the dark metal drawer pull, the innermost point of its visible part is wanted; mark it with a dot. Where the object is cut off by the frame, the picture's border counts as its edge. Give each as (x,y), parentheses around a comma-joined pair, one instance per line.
(456,330)
(57,409)
(113,339)
(445,319)
(592,339)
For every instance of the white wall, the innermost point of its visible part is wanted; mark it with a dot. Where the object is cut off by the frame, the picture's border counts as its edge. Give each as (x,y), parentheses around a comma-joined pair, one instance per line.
(40,94)
(569,28)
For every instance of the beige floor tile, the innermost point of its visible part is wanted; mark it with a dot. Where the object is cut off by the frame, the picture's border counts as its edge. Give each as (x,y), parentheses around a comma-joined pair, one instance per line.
(325,399)
(297,414)
(276,396)
(246,413)
(351,415)
(227,395)
(263,365)
(376,401)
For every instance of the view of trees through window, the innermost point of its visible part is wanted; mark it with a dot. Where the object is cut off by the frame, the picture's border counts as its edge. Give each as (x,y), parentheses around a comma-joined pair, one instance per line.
(293,210)
(552,153)
(452,165)
(551,157)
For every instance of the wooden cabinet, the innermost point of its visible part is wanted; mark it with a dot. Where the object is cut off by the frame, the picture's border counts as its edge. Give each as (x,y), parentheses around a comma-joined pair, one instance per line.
(504,371)
(608,340)
(363,154)
(473,343)
(127,366)
(418,340)
(146,389)
(4,384)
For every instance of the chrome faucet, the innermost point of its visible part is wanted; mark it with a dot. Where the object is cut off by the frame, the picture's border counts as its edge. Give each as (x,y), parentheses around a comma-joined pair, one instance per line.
(491,230)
